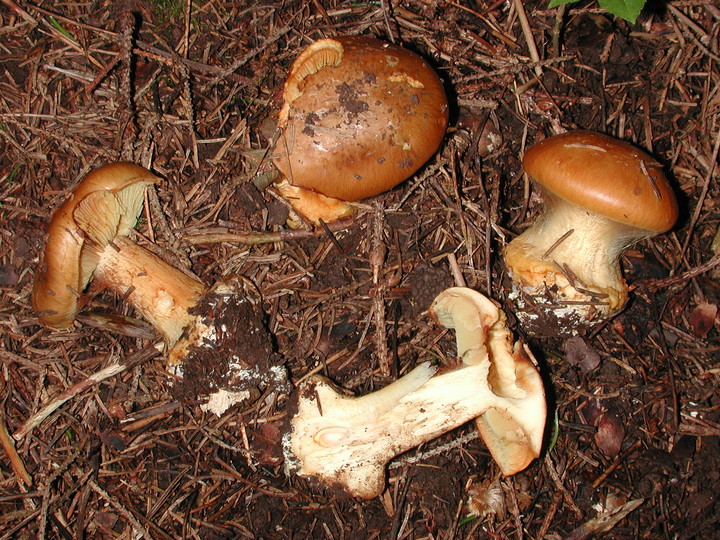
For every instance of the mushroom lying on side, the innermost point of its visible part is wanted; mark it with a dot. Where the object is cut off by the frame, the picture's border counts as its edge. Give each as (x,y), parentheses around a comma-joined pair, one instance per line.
(87,239)
(347,440)
(601,195)
(359,117)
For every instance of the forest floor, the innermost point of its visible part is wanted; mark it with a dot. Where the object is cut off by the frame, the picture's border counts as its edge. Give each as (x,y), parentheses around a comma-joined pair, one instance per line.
(191,90)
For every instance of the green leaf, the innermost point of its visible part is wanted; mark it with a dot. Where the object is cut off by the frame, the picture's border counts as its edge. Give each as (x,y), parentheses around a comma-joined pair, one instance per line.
(466,520)
(13,173)
(60,28)
(626,9)
(715,246)
(555,433)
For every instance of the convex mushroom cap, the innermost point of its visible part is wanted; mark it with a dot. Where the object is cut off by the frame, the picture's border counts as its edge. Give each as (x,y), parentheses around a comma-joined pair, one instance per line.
(601,195)
(347,441)
(359,117)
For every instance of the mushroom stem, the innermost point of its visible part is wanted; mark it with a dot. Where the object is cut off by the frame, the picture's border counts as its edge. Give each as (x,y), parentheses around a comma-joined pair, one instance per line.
(87,238)
(161,293)
(575,250)
(348,440)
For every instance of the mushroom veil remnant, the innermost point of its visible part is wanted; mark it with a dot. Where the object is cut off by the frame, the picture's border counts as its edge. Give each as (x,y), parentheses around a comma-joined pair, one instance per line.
(347,441)
(601,195)
(359,117)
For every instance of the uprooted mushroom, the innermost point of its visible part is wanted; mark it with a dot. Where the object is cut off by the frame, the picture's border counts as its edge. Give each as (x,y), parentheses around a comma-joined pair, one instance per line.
(88,239)
(359,117)
(347,441)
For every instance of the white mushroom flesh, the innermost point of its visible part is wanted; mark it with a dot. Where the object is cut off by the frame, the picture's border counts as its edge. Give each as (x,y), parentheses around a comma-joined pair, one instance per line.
(347,440)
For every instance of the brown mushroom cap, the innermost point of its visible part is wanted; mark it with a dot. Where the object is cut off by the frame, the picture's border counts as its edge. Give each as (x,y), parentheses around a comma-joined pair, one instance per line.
(67,266)
(360,116)
(604,175)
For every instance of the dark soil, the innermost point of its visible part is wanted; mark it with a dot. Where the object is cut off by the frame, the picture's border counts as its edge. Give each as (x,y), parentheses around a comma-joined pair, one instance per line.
(191,90)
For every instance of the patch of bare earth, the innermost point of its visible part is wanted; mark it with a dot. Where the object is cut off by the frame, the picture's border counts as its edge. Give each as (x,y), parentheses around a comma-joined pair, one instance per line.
(190,90)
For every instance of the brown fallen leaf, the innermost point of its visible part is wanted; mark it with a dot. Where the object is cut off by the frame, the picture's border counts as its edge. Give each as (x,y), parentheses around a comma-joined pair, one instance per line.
(702,319)
(578,353)
(610,432)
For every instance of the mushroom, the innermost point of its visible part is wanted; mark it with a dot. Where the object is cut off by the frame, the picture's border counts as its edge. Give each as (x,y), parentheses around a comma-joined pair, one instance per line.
(347,441)
(601,195)
(359,117)
(87,238)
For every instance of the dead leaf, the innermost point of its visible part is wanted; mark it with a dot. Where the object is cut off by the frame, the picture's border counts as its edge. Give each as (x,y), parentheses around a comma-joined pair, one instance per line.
(702,319)
(8,276)
(610,434)
(578,353)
